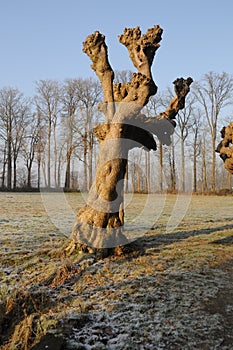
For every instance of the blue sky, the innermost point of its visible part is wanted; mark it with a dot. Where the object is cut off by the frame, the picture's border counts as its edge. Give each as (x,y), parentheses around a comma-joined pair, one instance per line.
(42,39)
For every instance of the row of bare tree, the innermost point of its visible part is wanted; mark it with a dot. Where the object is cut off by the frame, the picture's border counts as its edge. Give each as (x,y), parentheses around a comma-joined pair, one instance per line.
(47,132)
(47,141)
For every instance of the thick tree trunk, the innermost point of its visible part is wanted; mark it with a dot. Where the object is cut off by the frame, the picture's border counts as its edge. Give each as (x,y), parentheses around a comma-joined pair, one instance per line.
(100,222)
(99,225)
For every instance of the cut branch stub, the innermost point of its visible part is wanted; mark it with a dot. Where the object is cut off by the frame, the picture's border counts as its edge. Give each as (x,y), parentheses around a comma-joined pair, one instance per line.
(142,48)
(134,96)
(95,47)
(182,88)
(120,91)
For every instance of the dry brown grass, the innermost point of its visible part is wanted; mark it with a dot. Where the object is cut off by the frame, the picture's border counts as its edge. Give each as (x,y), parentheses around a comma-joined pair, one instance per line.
(43,292)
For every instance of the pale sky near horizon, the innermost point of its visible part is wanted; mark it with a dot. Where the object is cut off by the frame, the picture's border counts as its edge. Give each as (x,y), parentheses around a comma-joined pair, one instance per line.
(43,39)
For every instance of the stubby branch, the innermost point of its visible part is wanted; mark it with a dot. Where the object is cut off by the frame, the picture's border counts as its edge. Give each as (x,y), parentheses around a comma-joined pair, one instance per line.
(142,48)
(181,87)
(95,47)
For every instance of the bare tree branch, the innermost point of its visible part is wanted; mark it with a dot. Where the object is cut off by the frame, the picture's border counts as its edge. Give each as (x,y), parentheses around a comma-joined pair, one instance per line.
(95,47)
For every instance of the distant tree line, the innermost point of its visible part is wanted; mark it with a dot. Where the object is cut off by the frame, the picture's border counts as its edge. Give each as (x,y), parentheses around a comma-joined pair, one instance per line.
(47,141)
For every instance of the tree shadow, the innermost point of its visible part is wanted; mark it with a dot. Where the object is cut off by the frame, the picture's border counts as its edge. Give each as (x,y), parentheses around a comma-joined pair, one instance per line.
(224,241)
(157,241)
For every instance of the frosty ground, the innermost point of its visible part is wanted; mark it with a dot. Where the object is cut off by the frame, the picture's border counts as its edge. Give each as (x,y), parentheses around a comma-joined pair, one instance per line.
(172,291)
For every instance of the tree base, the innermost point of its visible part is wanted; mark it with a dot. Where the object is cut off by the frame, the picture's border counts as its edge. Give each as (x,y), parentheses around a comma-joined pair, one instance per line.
(132,248)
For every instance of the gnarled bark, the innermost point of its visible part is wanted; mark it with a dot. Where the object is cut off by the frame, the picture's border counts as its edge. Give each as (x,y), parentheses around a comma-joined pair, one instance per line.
(225,147)
(99,225)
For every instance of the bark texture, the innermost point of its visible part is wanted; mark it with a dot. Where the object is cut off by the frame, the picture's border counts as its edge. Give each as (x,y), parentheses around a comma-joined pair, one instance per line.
(225,147)
(99,225)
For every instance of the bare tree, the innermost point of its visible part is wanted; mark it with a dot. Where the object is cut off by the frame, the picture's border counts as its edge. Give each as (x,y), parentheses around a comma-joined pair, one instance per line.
(6,100)
(152,108)
(80,99)
(40,144)
(214,92)
(170,153)
(31,145)
(183,126)
(89,93)
(196,121)
(70,101)
(48,100)
(204,159)
(155,104)
(14,111)
(4,163)
(99,224)
(20,122)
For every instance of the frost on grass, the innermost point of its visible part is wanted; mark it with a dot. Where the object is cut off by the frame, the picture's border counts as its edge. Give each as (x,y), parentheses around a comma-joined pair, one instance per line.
(166,311)
(175,293)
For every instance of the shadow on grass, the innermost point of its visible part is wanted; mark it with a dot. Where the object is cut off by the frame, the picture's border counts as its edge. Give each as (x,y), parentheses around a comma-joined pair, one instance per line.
(225,241)
(159,240)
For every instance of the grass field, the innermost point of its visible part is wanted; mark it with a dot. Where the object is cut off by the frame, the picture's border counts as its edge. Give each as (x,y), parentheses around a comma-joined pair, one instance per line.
(175,292)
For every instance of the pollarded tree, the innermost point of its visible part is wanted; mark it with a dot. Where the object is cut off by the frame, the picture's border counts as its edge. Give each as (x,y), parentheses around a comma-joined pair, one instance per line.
(99,225)
(225,147)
